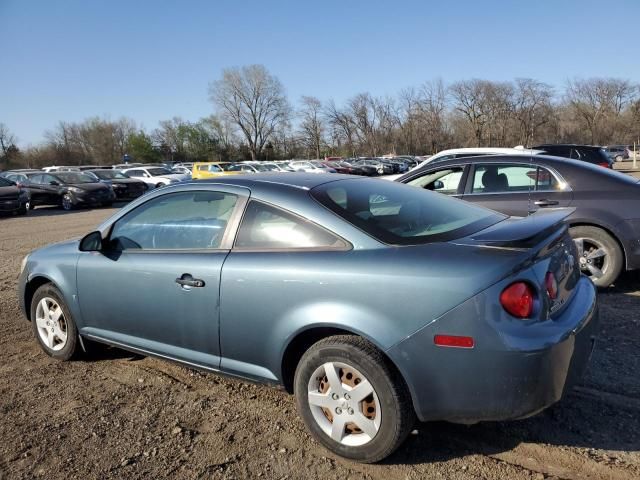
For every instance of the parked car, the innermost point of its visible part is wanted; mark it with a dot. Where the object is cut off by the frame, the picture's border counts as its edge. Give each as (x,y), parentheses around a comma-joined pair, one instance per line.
(125,187)
(503,332)
(184,168)
(14,199)
(156,176)
(380,168)
(360,169)
(67,189)
(586,153)
(211,169)
(618,153)
(605,224)
(310,166)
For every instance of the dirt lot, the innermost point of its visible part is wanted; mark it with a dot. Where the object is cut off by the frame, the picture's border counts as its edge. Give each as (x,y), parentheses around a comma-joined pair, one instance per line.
(114,415)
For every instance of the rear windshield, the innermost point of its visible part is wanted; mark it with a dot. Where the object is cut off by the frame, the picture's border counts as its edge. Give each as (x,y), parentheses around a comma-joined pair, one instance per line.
(109,174)
(75,177)
(402,215)
(158,172)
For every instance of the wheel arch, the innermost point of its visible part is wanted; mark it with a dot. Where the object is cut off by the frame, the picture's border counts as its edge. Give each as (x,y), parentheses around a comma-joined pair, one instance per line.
(30,289)
(303,340)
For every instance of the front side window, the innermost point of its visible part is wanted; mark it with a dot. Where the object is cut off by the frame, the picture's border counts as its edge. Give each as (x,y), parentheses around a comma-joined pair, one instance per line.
(135,173)
(444,181)
(395,214)
(176,221)
(267,227)
(501,178)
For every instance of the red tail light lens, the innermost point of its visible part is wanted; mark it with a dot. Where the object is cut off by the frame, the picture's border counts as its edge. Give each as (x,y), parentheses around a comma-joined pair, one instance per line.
(453,341)
(551,285)
(517,299)
(604,164)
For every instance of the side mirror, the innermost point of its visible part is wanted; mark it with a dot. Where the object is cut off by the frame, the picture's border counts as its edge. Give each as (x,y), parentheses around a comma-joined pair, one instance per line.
(54,183)
(91,242)
(438,185)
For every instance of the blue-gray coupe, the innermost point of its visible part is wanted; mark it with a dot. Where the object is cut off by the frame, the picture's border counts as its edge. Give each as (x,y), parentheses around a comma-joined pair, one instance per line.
(374,302)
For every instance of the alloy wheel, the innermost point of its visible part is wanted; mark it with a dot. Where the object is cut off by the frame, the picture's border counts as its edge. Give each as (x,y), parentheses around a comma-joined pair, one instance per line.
(593,257)
(66,202)
(52,326)
(344,404)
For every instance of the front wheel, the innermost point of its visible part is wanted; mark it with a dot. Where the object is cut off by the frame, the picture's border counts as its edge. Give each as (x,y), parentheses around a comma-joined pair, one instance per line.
(619,158)
(67,202)
(599,255)
(352,400)
(53,324)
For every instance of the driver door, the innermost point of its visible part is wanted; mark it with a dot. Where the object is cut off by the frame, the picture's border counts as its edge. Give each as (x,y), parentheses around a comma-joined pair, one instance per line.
(155,284)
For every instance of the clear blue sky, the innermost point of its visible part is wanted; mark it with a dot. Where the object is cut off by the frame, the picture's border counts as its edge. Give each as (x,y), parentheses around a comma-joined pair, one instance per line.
(152,60)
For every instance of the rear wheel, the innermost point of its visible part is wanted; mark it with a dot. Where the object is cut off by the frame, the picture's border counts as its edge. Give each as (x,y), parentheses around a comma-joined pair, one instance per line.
(352,400)
(619,158)
(599,255)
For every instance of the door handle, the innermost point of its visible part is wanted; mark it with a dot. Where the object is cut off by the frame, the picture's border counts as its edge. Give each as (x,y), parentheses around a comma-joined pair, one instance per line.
(546,203)
(186,280)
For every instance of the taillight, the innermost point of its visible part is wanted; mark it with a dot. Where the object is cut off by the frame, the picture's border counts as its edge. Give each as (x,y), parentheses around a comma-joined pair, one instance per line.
(551,285)
(517,299)
(604,164)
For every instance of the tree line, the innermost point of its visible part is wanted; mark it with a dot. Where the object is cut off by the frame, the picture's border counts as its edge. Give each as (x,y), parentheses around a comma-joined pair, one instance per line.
(254,119)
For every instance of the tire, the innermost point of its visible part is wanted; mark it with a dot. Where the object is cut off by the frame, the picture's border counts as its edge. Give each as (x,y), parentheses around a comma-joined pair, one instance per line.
(618,158)
(108,204)
(24,209)
(158,185)
(67,202)
(386,414)
(49,329)
(599,254)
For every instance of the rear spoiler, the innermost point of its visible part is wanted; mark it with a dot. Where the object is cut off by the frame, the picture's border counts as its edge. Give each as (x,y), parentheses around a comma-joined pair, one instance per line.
(524,232)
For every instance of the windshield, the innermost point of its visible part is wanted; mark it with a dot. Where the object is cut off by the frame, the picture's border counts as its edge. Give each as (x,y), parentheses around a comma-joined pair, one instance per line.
(400,215)
(75,177)
(158,172)
(109,174)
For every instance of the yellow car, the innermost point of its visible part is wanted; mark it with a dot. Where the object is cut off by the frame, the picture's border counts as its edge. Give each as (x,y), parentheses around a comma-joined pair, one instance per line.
(211,169)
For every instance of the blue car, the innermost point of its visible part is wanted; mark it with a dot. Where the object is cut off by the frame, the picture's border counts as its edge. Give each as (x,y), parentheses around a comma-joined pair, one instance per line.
(373,302)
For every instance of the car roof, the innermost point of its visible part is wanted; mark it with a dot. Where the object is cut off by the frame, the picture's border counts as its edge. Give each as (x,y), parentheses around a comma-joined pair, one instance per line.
(304,181)
(489,150)
(577,145)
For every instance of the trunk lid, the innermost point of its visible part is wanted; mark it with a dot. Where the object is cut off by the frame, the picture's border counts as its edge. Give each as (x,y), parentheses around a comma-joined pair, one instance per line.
(550,250)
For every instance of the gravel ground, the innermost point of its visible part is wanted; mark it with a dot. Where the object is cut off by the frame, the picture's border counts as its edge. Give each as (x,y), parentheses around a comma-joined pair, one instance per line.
(117,415)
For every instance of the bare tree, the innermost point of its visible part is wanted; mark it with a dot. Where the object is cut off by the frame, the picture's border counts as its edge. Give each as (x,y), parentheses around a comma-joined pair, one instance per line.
(597,101)
(432,109)
(470,99)
(7,144)
(532,108)
(252,99)
(311,124)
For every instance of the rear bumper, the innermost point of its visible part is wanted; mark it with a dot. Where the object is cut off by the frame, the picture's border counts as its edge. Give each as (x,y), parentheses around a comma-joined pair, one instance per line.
(519,378)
